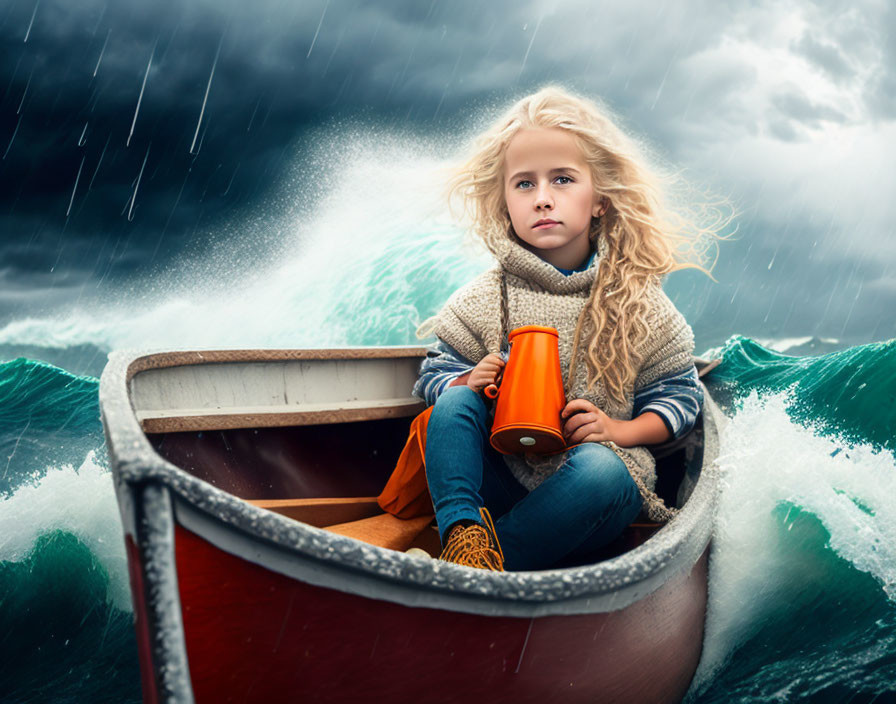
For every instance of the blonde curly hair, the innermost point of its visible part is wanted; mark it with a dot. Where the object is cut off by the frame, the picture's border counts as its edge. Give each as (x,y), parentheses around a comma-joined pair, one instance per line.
(644,239)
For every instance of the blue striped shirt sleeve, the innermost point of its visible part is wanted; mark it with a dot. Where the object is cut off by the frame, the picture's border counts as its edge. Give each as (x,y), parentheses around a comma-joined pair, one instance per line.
(676,398)
(442,365)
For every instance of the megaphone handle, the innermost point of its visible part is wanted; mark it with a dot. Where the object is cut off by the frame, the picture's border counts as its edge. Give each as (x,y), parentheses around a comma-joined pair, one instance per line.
(491,391)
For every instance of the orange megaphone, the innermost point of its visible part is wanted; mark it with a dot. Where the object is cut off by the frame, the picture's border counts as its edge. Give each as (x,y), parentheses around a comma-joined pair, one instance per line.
(531,397)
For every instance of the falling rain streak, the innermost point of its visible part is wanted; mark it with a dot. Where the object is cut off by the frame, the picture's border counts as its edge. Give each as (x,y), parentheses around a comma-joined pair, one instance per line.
(201,140)
(27,85)
(74,190)
(232,176)
(205,99)
(96,170)
(14,133)
(31,23)
(317,31)
(252,119)
(529,48)
(140,99)
(139,176)
(659,90)
(102,51)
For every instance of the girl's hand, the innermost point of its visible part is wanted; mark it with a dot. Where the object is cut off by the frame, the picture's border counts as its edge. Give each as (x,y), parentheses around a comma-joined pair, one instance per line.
(486,372)
(585,422)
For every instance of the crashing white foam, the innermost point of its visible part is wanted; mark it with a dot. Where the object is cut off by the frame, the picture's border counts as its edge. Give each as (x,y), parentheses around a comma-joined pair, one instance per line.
(363,241)
(773,470)
(782,344)
(79,501)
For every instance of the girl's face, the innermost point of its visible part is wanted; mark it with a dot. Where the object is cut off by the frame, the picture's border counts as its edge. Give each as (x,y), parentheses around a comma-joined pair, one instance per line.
(549,195)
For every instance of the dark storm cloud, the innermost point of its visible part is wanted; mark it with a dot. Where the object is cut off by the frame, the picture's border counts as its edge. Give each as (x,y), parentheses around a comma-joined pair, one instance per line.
(881,88)
(793,104)
(78,154)
(785,130)
(792,289)
(827,56)
(681,75)
(864,36)
(104,100)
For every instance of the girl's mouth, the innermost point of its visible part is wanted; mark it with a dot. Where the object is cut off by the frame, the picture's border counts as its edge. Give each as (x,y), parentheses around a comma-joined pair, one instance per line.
(545,225)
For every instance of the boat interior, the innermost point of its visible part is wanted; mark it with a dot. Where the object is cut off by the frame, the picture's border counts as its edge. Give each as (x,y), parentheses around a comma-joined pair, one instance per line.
(316,439)
(330,475)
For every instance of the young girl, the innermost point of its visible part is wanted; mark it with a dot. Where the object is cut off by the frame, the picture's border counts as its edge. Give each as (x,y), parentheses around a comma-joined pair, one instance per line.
(561,198)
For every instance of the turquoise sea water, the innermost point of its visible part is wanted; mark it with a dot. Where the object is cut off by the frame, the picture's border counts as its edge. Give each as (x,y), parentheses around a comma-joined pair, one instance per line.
(803,572)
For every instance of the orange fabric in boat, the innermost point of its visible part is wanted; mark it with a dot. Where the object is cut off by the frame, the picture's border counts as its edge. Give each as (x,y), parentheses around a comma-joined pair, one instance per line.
(406,494)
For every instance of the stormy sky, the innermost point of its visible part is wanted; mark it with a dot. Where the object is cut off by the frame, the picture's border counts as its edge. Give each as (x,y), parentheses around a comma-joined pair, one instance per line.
(130,131)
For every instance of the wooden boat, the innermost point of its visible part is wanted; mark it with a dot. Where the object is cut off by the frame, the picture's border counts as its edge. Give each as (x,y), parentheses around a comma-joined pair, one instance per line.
(263,570)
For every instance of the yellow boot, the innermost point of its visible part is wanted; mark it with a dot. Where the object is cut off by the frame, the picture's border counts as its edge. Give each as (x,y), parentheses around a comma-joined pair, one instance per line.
(475,545)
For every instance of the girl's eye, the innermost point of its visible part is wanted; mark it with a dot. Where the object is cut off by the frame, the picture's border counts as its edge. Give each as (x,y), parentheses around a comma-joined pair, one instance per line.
(527,184)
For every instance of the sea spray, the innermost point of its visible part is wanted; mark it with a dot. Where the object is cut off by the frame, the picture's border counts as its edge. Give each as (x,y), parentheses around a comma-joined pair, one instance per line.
(362,255)
(80,502)
(804,552)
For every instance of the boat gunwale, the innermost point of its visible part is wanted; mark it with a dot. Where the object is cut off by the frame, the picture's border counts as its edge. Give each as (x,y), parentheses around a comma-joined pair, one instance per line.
(676,546)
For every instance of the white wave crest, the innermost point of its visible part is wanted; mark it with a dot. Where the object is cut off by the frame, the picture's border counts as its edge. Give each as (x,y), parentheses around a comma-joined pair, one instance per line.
(81,502)
(354,248)
(782,344)
(774,469)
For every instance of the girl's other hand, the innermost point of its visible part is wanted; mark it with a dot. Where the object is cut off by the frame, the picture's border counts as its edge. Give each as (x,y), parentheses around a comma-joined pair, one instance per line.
(486,372)
(585,422)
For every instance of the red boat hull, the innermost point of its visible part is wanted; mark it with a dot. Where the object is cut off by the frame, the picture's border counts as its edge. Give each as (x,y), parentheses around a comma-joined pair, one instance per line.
(254,635)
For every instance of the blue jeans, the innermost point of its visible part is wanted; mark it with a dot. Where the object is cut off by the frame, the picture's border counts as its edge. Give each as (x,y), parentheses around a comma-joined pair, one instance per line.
(582,507)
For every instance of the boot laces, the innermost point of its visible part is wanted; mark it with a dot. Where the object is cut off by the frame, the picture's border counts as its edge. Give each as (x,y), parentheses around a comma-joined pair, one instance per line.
(475,545)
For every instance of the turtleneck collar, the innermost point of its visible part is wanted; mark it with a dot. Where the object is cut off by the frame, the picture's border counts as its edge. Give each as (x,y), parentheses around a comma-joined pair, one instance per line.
(519,261)
(581,267)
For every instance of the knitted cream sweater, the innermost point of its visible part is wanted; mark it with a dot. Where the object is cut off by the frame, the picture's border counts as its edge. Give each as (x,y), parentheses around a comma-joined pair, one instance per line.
(538,294)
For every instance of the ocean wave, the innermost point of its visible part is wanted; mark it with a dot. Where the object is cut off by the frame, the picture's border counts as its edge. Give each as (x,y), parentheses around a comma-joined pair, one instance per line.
(77,501)
(850,392)
(803,565)
(784,344)
(48,417)
(806,527)
(66,635)
(332,277)
(49,396)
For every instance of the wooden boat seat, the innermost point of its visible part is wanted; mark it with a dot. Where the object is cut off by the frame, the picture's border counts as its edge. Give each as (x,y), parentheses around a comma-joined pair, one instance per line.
(358,517)
(322,512)
(387,531)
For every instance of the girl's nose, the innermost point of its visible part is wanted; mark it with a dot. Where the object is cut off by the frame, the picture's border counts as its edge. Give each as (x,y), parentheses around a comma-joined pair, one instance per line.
(543,199)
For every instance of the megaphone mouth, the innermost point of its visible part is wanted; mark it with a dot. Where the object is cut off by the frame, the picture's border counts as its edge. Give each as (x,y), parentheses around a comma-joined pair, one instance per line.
(532,328)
